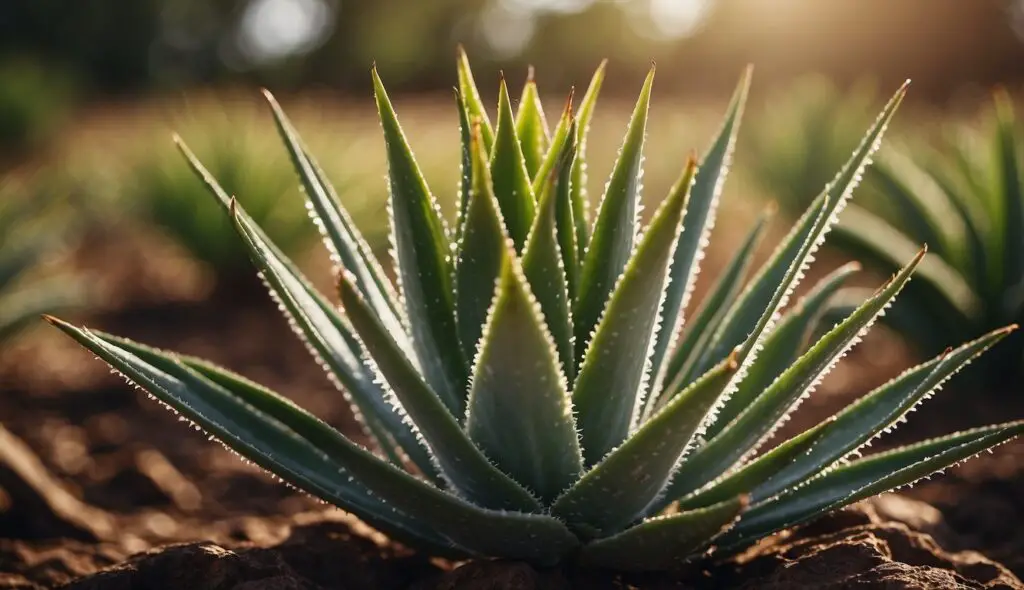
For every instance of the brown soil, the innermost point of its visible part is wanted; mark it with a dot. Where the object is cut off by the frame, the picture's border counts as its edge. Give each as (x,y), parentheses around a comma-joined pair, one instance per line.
(101,489)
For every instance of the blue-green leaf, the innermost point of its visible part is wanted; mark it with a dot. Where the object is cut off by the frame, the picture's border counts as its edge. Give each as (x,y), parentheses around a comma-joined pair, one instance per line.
(532,127)
(615,229)
(461,462)
(471,95)
(580,201)
(520,413)
(420,246)
(512,183)
(663,542)
(697,226)
(609,390)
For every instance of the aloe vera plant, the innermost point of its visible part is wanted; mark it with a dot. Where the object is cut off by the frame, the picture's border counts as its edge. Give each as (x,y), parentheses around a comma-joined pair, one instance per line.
(529,381)
(967,202)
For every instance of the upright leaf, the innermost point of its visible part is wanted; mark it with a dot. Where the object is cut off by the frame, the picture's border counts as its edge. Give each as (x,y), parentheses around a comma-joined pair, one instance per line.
(519,411)
(697,226)
(461,462)
(512,183)
(531,126)
(612,381)
(612,243)
(420,247)
(465,165)
(471,95)
(1008,168)
(480,252)
(580,202)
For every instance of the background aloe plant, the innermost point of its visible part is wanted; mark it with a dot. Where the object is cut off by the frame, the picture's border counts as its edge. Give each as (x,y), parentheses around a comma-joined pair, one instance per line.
(966,200)
(530,383)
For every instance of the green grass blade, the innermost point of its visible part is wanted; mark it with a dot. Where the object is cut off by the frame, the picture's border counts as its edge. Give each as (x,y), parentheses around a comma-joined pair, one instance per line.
(757,309)
(347,245)
(480,252)
(420,246)
(663,542)
(532,126)
(471,95)
(611,384)
(616,490)
(512,183)
(461,462)
(783,345)
(333,343)
(759,420)
(878,412)
(247,429)
(708,317)
(544,263)
(615,229)
(697,226)
(520,413)
(580,200)
(865,478)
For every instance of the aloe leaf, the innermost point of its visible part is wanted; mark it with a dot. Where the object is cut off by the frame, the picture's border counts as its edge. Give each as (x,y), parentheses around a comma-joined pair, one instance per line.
(465,165)
(512,183)
(709,316)
(616,490)
(285,439)
(531,126)
(865,478)
(1009,183)
(610,387)
(544,264)
(520,413)
(613,240)
(755,313)
(345,242)
(562,135)
(580,202)
(420,247)
(471,95)
(334,344)
(786,342)
(751,475)
(239,419)
(480,251)
(566,222)
(763,415)
(697,226)
(461,462)
(854,427)
(663,542)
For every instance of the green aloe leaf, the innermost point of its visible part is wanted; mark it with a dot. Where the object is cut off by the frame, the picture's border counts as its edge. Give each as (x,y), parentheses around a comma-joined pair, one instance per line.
(610,387)
(465,165)
(613,240)
(520,412)
(876,413)
(544,263)
(461,462)
(480,252)
(769,291)
(759,420)
(283,438)
(580,201)
(420,246)
(616,490)
(663,542)
(562,135)
(865,478)
(697,226)
(347,245)
(471,96)
(566,220)
(512,184)
(709,316)
(240,420)
(786,342)
(531,126)
(333,342)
